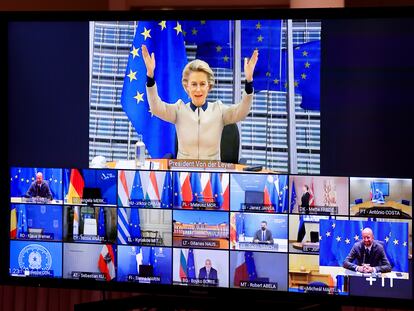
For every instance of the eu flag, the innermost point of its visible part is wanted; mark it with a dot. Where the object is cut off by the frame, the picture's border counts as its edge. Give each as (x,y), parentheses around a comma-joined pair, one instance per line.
(196,187)
(265,36)
(101,223)
(166,195)
(307,68)
(137,193)
(177,196)
(338,237)
(293,197)
(212,38)
(283,194)
(134,224)
(21,220)
(165,40)
(251,266)
(190,265)
(217,189)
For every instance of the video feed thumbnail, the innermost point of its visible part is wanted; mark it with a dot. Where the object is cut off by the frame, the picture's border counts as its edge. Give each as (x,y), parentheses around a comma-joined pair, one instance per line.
(200,267)
(258,270)
(201,190)
(381,197)
(144,264)
(304,233)
(306,277)
(36,222)
(202,229)
(145,189)
(89,261)
(36,185)
(89,186)
(144,226)
(90,224)
(258,231)
(259,193)
(324,195)
(364,248)
(36,259)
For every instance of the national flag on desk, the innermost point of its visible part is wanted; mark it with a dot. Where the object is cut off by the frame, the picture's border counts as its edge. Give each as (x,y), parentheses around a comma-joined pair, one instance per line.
(283,193)
(226,191)
(270,194)
(152,193)
(206,187)
(245,268)
(183,266)
(301,229)
(165,40)
(186,190)
(106,262)
(76,185)
(13,222)
(123,226)
(123,188)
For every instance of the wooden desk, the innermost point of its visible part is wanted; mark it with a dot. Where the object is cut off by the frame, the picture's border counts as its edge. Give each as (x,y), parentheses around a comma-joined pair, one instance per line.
(299,277)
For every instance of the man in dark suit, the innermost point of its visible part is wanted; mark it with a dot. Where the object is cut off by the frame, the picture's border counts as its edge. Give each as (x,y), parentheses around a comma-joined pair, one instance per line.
(367,256)
(207,272)
(305,199)
(39,188)
(263,235)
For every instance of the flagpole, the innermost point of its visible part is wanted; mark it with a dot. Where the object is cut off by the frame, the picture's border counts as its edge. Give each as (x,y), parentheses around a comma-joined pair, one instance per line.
(237,71)
(291,130)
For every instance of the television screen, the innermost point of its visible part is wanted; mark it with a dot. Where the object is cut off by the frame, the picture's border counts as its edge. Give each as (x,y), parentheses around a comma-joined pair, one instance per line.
(131,189)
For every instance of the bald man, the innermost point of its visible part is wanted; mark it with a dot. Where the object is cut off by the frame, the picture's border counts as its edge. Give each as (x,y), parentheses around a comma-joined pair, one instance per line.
(367,256)
(39,188)
(207,272)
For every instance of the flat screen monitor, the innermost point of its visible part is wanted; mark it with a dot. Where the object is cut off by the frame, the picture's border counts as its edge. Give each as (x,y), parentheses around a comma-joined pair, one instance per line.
(326,85)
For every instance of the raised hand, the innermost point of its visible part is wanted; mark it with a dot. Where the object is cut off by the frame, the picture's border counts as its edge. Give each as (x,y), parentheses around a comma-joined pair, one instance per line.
(249,65)
(149,61)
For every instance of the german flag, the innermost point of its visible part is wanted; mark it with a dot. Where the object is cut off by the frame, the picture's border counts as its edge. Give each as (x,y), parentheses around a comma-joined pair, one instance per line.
(76,186)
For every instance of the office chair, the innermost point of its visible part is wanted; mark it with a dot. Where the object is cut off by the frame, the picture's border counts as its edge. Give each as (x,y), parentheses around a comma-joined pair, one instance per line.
(358,201)
(229,145)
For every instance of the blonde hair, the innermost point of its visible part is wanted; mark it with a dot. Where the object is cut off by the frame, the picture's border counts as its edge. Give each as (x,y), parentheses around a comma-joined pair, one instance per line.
(197,65)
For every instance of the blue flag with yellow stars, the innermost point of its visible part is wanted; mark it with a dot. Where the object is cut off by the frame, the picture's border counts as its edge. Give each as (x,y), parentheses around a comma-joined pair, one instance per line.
(307,69)
(214,45)
(338,236)
(165,40)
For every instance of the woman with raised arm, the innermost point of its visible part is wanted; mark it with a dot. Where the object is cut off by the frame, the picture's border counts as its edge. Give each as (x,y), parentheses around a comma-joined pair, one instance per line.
(199,124)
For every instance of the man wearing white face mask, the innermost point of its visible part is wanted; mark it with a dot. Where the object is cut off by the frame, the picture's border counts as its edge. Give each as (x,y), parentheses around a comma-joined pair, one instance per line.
(199,124)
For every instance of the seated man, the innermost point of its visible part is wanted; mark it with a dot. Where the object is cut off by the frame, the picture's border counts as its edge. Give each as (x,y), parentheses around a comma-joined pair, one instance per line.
(378,197)
(367,256)
(39,188)
(263,235)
